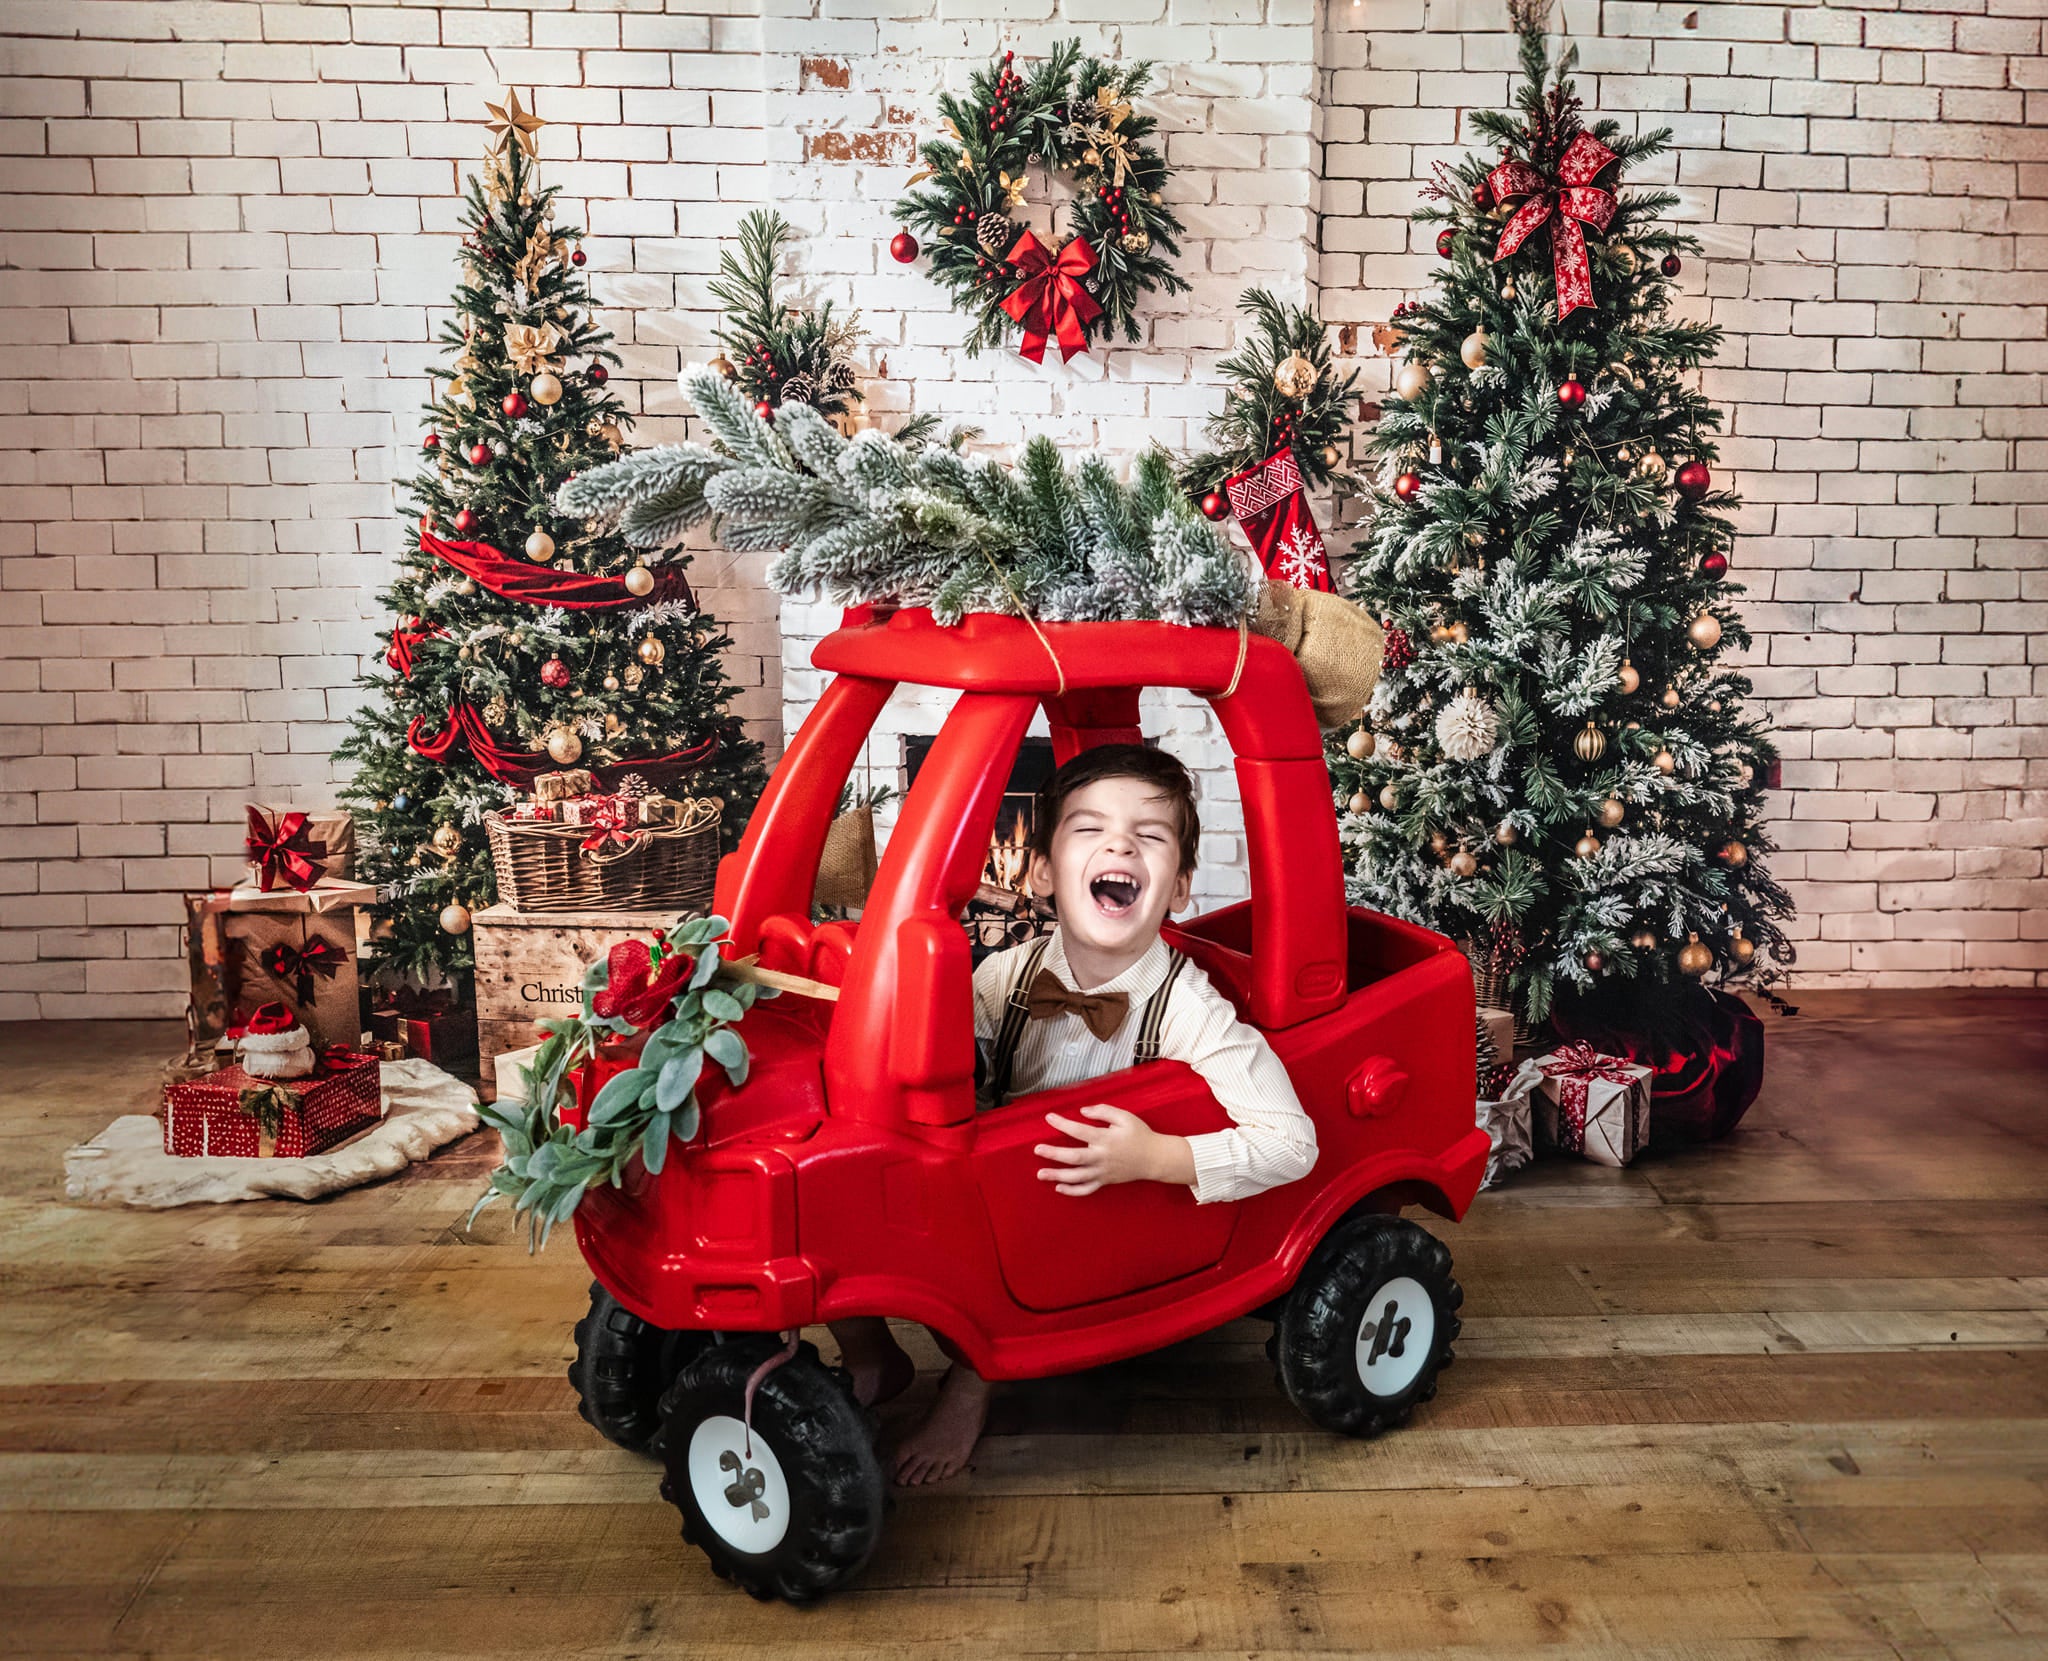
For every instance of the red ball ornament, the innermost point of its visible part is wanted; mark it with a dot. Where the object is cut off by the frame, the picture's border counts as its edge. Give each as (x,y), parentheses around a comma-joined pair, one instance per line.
(1693,480)
(1406,485)
(465,520)
(1215,505)
(599,373)
(427,522)
(903,247)
(1572,394)
(578,257)
(479,454)
(1671,265)
(1714,565)
(554,673)
(514,405)
(1446,240)
(431,442)
(1482,195)
(765,410)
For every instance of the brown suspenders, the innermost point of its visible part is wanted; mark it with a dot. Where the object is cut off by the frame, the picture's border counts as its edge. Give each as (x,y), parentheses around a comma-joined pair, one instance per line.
(1003,1052)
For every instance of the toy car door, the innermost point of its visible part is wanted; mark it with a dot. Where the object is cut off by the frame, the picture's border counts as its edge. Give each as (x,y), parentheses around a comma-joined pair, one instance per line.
(1058,1251)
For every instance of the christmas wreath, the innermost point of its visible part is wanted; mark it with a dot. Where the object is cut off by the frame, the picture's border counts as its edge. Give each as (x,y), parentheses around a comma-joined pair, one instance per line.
(1072,118)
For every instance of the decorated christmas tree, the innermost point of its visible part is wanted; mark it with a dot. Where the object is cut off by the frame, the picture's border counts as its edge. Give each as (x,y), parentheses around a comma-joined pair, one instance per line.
(1558,767)
(523,639)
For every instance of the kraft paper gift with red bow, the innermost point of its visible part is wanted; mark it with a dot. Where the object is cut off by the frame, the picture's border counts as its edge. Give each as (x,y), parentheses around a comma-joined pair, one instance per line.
(295,848)
(304,958)
(1597,1106)
(230,1114)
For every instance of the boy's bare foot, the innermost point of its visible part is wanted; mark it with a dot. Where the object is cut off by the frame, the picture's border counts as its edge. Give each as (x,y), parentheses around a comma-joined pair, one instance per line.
(941,1446)
(880,1368)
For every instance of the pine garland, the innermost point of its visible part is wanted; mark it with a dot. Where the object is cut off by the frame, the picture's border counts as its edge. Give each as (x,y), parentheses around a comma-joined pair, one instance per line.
(781,353)
(1258,416)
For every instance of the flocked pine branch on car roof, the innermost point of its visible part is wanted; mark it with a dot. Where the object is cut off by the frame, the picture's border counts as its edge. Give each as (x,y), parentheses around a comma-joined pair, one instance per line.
(904,521)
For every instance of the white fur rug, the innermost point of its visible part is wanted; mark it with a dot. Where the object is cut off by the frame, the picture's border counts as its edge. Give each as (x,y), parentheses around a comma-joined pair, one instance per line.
(424,1109)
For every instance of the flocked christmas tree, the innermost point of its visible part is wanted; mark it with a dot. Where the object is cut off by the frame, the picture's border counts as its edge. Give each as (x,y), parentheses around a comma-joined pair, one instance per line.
(1558,767)
(523,639)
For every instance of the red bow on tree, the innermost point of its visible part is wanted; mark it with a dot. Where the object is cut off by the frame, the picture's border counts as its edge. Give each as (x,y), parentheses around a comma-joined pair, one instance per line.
(1575,1067)
(639,986)
(284,851)
(1569,201)
(296,966)
(1050,301)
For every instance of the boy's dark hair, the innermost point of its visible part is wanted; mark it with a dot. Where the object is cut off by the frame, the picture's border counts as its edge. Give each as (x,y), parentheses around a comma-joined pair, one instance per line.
(1162,772)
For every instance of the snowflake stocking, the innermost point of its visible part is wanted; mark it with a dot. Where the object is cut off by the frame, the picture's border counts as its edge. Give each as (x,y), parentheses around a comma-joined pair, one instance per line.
(1269,502)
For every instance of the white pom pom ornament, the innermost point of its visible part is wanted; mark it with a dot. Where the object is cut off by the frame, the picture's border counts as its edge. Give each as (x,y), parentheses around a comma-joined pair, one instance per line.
(1467,728)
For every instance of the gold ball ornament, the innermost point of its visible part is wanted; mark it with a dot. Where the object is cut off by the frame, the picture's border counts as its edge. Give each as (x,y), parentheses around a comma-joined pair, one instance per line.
(640,582)
(651,652)
(1694,958)
(455,918)
(545,388)
(1610,812)
(1507,291)
(1591,743)
(1586,846)
(722,365)
(540,547)
(1742,950)
(1629,678)
(1664,761)
(1669,698)
(1360,802)
(1413,381)
(1744,774)
(1472,353)
(447,841)
(1505,833)
(1331,455)
(1463,864)
(1359,745)
(1294,377)
(1734,853)
(1704,631)
(611,683)
(1390,796)
(564,746)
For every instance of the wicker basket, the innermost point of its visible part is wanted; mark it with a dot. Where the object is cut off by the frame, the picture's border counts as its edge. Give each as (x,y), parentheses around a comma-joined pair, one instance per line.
(542,866)
(1490,990)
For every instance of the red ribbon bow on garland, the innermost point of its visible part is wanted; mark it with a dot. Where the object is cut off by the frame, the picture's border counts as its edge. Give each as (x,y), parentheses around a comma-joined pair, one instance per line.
(296,966)
(1050,301)
(284,851)
(1575,1067)
(1570,201)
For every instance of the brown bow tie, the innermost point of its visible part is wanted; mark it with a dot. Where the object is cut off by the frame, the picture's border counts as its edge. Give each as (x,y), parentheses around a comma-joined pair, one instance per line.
(1103,1011)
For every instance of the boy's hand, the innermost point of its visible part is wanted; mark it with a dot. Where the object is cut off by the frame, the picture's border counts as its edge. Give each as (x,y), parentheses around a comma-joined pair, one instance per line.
(1119,1147)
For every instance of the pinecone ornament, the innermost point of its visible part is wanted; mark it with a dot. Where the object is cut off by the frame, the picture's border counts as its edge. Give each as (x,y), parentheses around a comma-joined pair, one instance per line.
(840,375)
(634,785)
(993,231)
(799,389)
(1467,727)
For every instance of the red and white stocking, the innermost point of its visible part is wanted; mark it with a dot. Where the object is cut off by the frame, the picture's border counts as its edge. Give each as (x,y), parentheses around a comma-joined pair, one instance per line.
(1269,502)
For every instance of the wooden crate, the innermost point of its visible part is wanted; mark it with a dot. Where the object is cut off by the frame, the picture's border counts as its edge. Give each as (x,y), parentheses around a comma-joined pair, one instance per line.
(530,964)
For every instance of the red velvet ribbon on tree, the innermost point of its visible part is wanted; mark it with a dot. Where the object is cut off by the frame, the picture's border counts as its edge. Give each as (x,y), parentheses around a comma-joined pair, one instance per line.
(1050,302)
(296,966)
(543,585)
(405,640)
(1569,201)
(1575,1067)
(518,768)
(284,852)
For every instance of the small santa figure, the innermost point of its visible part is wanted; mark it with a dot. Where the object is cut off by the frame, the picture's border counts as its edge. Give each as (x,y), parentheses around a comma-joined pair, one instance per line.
(274,1045)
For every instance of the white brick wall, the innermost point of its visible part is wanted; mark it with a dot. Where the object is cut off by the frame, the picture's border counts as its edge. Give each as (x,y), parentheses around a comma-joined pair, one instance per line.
(228,236)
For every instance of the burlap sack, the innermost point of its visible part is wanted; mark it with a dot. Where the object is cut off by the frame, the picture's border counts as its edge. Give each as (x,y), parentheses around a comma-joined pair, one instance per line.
(1337,645)
(846,870)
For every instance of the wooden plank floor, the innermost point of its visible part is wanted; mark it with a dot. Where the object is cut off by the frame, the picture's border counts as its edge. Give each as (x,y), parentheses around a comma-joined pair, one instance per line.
(1787,1396)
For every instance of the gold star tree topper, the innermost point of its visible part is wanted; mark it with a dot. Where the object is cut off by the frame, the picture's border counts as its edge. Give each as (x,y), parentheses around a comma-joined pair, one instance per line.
(509,121)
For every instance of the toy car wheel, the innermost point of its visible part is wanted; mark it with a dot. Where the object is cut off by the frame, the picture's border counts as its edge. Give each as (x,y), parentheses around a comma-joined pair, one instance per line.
(623,1367)
(1369,1325)
(790,1508)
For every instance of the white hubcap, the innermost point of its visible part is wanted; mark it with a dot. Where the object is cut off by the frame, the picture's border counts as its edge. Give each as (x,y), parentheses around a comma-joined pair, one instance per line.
(738,1485)
(1396,1337)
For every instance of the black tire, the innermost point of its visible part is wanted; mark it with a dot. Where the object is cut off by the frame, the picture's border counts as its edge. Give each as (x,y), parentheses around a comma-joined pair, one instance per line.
(802,1511)
(1346,1346)
(623,1368)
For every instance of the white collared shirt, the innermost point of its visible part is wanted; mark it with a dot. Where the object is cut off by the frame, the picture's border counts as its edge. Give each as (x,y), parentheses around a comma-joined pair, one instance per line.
(1271,1140)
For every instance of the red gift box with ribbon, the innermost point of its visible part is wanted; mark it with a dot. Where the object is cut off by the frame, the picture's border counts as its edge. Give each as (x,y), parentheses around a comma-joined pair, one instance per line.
(291,847)
(233,1115)
(1594,1105)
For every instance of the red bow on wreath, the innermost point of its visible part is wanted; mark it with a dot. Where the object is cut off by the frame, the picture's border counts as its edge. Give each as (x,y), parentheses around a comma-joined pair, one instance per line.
(1573,199)
(1050,301)
(296,966)
(284,851)
(1575,1067)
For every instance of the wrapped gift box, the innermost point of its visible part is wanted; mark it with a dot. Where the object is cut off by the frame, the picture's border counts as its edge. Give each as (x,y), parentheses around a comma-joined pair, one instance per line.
(300,950)
(430,1025)
(1499,1027)
(229,1114)
(1506,1114)
(293,848)
(1597,1106)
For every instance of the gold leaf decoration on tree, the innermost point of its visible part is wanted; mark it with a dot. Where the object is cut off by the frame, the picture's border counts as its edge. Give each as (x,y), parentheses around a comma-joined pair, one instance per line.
(543,249)
(509,121)
(532,349)
(1108,149)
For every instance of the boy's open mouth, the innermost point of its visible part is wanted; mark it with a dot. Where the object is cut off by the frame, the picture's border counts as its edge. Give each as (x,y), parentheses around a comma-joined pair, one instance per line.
(1114,893)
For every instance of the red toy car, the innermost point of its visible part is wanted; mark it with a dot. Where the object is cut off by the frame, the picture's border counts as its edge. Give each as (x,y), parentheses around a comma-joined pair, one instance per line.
(852,1175)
